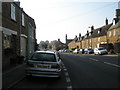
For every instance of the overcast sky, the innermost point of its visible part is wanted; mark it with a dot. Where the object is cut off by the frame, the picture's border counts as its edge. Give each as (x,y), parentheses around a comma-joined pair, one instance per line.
(56,18)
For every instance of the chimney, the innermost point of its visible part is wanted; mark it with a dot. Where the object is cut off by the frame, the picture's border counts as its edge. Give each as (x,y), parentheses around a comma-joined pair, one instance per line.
(75,36)
(87,31)
(92,28)
(117,13)
(58,40)
(79,36)
(106,21)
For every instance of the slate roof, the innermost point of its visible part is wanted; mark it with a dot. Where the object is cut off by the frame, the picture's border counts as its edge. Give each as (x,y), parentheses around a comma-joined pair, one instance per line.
(69,40)
(102,31)
(115,26)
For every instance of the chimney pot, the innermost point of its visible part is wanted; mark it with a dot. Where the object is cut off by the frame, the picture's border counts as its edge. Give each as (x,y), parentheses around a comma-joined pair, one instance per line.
(106,21)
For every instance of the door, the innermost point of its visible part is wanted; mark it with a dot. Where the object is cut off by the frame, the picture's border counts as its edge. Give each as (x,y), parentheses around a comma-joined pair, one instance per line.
(23,46)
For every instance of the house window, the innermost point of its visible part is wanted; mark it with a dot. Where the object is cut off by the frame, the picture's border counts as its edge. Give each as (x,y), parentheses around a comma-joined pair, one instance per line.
(94,39)
(90,40)
(6,41)
(110,34)
(98,31)
(119,32)
(89,34)
(114,33)
(23,20)
(13,12)
(99,39)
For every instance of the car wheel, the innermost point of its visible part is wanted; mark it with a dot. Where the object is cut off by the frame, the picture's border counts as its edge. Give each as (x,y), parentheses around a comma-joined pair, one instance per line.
(98,53)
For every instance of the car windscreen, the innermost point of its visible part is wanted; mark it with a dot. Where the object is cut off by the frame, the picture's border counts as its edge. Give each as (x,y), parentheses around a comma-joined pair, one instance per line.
(89,49)
(101,49)
(43,57)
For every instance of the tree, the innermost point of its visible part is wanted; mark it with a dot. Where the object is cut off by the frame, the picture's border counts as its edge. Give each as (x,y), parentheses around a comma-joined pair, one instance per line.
(43,44)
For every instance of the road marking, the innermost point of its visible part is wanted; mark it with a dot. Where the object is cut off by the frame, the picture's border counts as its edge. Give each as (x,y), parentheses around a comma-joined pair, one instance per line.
(68,79)
(65,69)
(66,74)
(93,59)
(106,62)
(69,88)
(111,64)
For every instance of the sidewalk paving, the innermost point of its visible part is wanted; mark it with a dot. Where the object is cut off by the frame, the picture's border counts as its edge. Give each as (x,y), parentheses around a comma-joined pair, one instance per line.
(12,75)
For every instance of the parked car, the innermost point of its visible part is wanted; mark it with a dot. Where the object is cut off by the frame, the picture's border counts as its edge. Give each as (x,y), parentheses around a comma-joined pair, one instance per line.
(100,50)
(67,50)
(44,64)
(88,51)
(76,51)
(81,51)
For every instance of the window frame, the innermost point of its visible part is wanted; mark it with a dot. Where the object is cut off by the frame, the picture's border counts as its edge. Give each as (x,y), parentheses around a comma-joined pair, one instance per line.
(23,19)
(13,12)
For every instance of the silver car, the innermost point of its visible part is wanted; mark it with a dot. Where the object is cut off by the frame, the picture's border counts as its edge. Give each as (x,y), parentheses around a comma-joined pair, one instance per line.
(100,51)
(44,64)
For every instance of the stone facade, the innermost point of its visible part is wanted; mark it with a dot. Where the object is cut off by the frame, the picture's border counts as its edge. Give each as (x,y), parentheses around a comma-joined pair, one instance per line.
(15,28)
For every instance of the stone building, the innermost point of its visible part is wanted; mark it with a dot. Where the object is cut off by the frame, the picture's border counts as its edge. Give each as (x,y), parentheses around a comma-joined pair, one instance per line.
(113,34)
(14,29)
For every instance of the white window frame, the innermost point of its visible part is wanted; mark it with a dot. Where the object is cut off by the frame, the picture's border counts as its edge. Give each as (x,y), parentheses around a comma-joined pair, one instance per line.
(110,34)
(98,31)
(23,19)
(119,32)
(99,39)
(89,34)
(90,40)
(114,33)
(13,12)
(94,39)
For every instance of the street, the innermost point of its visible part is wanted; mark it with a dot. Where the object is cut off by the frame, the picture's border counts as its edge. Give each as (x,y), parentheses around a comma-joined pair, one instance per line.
(80,71)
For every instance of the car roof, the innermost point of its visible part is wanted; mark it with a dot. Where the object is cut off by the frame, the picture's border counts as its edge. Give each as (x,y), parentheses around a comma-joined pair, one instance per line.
(45,52)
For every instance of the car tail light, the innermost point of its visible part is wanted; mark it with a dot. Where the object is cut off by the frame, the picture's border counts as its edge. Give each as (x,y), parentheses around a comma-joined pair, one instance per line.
(55,66)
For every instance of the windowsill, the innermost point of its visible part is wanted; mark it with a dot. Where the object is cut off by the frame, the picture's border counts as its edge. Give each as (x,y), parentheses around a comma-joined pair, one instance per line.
(13,20)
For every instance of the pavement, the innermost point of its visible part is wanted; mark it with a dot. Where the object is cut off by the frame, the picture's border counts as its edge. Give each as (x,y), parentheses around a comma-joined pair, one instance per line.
(12,76)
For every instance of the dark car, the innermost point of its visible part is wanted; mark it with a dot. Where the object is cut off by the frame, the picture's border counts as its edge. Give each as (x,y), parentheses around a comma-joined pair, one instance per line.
(44,64)
(88,51)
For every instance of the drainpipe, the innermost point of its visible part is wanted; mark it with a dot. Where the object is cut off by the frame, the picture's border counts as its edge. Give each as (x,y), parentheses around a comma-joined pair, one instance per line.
(19,35)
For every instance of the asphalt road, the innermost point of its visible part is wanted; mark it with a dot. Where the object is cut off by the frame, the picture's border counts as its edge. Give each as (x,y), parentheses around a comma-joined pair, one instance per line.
(80,71)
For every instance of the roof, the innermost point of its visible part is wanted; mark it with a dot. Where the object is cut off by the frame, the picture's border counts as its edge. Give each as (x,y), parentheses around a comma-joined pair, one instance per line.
(51,52)
(102,31)
(115,26)
(69,40)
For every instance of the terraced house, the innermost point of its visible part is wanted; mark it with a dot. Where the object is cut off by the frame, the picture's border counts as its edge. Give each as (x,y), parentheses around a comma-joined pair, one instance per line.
(93,39)
(107,36)
(18,33)
(99,36)
(113,34)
